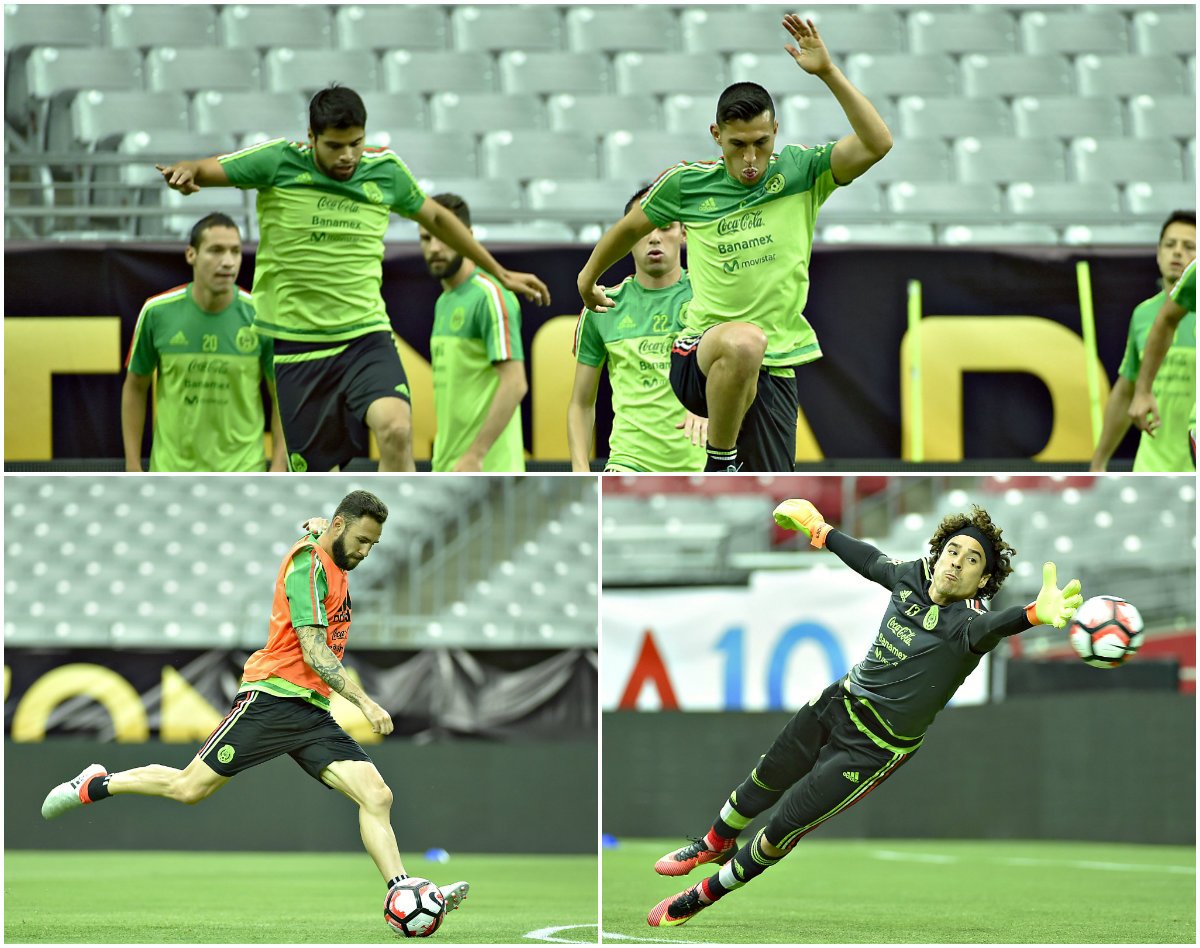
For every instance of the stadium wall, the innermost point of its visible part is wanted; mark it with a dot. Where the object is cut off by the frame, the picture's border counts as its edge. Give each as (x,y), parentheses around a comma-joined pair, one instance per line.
(1116,767)
(459,796)
(1020,347)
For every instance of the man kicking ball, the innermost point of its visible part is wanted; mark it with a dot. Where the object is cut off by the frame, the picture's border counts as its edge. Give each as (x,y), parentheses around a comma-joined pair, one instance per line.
(282,706)
(932,636)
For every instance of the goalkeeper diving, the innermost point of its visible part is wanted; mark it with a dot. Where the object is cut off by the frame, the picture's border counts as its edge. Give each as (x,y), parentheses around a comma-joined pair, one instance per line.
(858,731)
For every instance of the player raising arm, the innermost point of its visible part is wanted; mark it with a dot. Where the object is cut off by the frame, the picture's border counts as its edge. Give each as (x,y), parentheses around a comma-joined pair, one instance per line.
(323,210)
(855,734)
(750,219)
(282,705)
(1143,410)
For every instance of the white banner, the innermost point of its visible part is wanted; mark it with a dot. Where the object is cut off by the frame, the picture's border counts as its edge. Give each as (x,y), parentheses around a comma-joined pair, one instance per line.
(771,646)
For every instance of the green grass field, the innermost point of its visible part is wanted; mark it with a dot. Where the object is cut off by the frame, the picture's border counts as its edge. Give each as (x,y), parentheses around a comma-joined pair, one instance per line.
(130,897)
(922,891)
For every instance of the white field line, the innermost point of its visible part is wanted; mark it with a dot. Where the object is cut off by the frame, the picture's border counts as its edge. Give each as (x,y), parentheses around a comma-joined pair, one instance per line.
(897,856)
(550,935)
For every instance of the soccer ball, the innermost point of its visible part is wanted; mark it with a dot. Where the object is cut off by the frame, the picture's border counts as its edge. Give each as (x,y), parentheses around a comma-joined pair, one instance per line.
(414,908)
(1105,631)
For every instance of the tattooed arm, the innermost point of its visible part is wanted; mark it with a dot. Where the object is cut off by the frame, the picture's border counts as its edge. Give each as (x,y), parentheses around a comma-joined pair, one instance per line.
(320,658)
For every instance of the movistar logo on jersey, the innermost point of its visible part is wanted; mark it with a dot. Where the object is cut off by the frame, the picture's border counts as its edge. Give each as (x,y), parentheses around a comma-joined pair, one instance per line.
(708,204)
(851,775)
(730,266)
(626,323)
(931,618)
(179,339)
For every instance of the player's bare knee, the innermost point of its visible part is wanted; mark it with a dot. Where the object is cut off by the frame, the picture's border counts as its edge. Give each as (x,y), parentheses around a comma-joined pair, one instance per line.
(191,793)
(744,345)
(378,798)
(394,436)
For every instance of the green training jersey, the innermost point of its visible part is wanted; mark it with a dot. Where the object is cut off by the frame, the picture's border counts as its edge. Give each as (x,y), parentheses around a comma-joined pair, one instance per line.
(319,266)
(634,339)
(1174,387)
(475,325)
(208,410)
(749,248)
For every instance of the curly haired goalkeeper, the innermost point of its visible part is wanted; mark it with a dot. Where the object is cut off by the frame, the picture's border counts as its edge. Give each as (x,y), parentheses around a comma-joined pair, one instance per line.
(854,735)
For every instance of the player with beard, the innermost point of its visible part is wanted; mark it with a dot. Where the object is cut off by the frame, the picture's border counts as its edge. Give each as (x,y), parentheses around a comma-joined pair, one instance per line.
(323,209)
(478,360)
(282,706)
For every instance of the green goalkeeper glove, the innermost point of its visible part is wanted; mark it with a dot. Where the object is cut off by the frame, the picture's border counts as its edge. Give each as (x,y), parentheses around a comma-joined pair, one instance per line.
(1054,606)
(803,516)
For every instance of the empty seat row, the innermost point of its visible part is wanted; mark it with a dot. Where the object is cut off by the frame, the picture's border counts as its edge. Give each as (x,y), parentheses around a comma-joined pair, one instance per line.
(99,114)
(51,70)
(1151,32)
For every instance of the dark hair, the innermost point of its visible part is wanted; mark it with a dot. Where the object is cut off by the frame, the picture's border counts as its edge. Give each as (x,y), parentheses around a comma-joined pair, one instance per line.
(336,107)
(1177,217)
(953,524)
(215,219)
(641,192)
(361,503)
(744,101)
(455,205)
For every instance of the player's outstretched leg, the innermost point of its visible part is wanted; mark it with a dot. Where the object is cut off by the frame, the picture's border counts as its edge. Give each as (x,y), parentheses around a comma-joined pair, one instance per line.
(71,794)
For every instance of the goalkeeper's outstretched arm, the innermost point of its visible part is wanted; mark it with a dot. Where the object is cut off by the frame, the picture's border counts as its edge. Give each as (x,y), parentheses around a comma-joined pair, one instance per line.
(860,556)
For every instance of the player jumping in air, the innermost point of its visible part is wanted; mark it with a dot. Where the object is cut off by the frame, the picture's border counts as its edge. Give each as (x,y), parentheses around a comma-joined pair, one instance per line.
(1143,409)
(634,340)
(323,211)
(282,706)
(750,219)
(855,734)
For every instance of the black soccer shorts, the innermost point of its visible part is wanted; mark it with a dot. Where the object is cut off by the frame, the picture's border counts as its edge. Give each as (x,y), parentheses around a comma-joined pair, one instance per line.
(323,399)
(823,764)
(260,727)
(767,440)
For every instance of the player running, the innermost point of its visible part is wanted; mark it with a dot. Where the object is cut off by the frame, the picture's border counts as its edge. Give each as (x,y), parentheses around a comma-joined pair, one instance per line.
(282,706)
(750,220)
(634,339)
(323,211)
(855,734)
(1175,390)
(1143,410)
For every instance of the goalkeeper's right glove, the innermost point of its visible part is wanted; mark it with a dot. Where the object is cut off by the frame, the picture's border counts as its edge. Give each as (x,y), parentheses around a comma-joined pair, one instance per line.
(803,516)
(1054,606)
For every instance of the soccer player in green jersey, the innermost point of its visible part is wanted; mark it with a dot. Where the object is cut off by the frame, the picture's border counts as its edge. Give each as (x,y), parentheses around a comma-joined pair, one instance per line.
(634,341)
(854,735)
(478,361)
(1143,410)
(323,210)
(1175,388)
(750,219)
(199,338)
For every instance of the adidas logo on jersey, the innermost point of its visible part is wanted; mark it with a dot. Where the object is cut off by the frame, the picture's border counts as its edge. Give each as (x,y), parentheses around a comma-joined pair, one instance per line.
(708,204)
(179,339)
(905,594)
(626,323)
(851,775)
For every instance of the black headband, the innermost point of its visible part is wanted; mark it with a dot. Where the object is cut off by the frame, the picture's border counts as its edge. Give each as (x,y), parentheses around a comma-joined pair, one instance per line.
(989,552)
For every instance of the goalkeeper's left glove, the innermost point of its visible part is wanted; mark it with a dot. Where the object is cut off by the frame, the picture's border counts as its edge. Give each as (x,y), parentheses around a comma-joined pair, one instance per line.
(803,516)
(1054,606)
